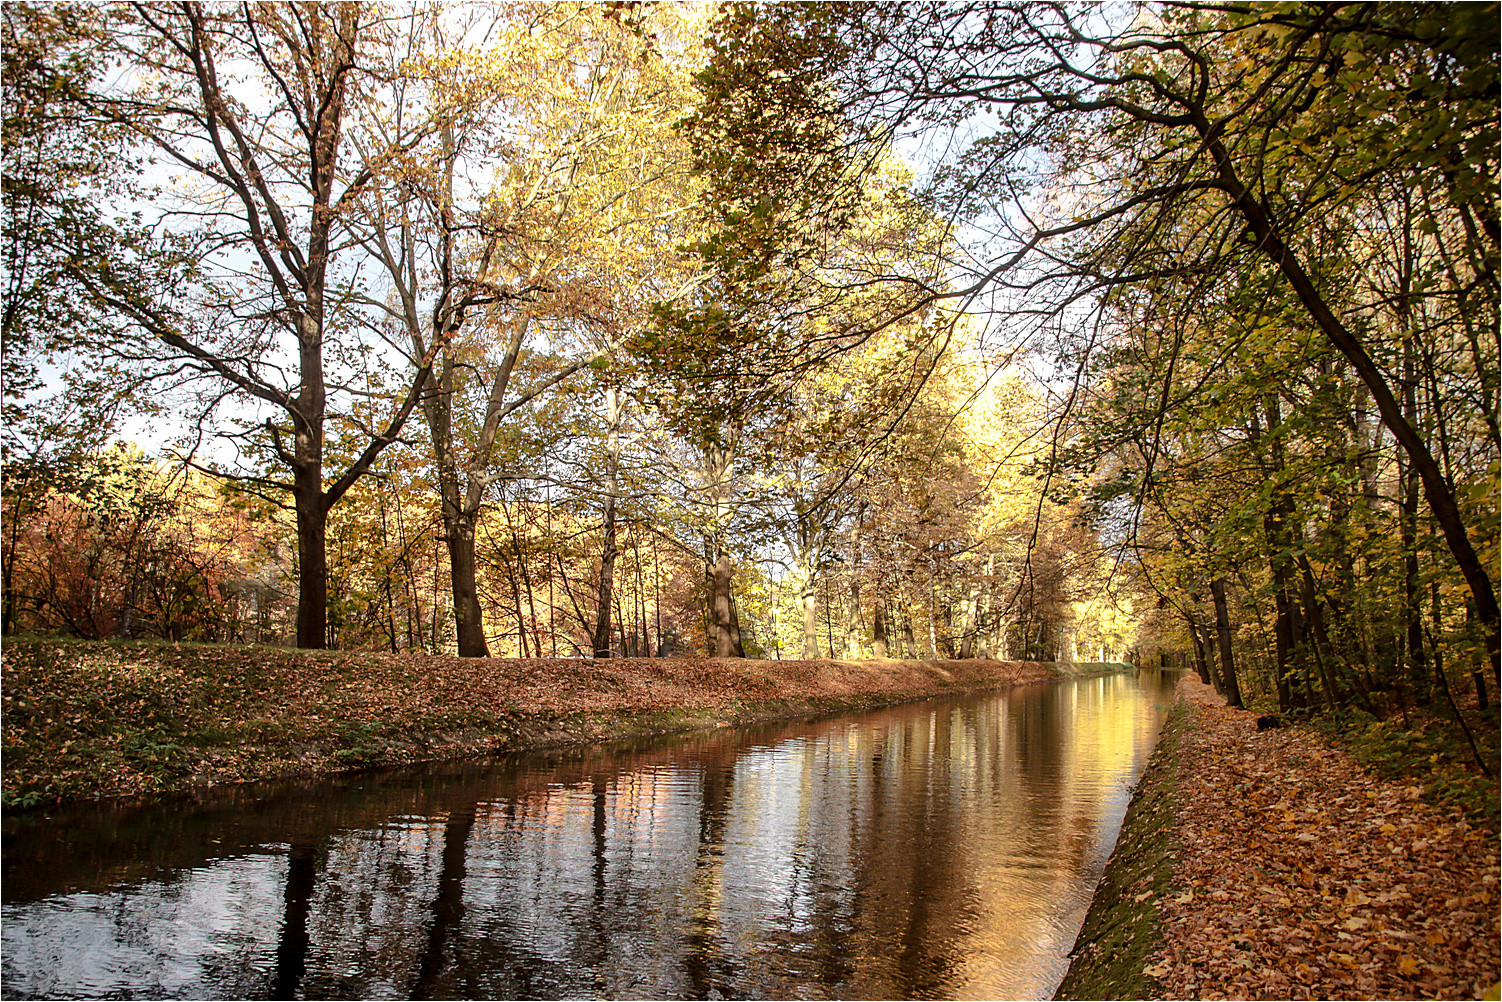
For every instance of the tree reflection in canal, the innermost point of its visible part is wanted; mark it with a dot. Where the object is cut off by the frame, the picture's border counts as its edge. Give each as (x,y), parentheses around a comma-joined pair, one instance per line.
(940,849)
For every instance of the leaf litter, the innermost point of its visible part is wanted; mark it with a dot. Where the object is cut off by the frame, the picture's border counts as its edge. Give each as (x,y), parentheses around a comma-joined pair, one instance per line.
(88,719)
(1299,875)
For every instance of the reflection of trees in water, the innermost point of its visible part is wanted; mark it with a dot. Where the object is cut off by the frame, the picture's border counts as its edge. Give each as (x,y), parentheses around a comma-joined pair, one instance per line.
(877,857)
(704,960)
(292,950)
(448,905)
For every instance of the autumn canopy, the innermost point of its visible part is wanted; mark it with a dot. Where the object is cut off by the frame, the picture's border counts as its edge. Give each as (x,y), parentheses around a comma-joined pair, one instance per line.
(925,330)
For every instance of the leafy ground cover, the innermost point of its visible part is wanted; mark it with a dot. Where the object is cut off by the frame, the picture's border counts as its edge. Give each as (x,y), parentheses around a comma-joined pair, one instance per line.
(1297,873)
(1432,750)
(85,719)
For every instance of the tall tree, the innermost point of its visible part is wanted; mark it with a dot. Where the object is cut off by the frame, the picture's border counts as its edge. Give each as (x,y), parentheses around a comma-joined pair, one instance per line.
(557,254)
(268,117)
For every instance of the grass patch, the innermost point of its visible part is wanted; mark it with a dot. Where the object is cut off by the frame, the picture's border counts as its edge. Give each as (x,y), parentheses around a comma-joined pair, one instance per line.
(1121,932)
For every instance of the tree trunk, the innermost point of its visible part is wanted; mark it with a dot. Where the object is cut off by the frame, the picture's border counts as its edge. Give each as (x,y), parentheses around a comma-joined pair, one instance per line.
(601,638)
(601,641)
(811,617)
(1197,639)
(1418,676)
(12,522)
(853,610)
(312,568)
(933,639)
(459,520)
(1317,636)
(967,624)
(469,626)
(972,611)
(1223,636)
(726,625)
(879,628)
(735,623)
(853,619)
(1276,527)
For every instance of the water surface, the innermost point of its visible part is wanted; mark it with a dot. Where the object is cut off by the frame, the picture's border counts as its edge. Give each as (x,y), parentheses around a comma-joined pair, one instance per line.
(945,849)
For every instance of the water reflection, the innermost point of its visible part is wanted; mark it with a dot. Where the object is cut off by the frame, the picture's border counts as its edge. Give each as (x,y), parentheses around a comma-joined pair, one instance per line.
(942,849)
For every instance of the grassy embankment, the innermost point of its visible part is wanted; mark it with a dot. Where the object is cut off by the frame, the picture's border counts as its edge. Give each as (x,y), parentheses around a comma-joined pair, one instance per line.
(88,719)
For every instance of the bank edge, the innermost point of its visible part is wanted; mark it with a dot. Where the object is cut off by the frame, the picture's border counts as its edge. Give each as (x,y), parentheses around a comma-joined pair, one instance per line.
(1122,931)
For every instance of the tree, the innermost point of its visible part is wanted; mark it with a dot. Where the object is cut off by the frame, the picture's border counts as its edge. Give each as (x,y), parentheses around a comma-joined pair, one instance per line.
(1229,129)
(271,116)
(559,256)
(64,394)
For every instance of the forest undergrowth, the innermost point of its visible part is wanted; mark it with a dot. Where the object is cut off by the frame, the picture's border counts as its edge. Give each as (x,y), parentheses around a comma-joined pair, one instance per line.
(1431,748)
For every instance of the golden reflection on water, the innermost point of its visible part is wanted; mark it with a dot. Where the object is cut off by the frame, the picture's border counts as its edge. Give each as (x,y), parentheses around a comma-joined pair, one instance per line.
(944,849)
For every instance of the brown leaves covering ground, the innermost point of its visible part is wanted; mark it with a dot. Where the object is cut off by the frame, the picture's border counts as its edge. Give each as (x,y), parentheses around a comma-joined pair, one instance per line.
(104,719)
(1300,876)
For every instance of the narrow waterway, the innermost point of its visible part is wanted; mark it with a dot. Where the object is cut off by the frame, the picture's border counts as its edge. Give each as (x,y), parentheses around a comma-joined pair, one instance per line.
(945,849)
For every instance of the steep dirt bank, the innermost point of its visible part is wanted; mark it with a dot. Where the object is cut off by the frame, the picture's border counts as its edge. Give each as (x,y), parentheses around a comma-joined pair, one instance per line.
(103,719)
(1259,865)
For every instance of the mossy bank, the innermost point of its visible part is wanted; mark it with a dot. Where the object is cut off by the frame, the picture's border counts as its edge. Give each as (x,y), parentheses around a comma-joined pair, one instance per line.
(1121,933)
(89,719)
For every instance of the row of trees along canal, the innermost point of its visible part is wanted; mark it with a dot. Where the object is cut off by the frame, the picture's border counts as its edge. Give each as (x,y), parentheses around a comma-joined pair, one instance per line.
(403,270)
(1002,329)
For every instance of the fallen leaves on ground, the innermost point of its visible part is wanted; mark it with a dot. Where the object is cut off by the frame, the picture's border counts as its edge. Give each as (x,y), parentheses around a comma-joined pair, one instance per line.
(86,719)
(1301,876)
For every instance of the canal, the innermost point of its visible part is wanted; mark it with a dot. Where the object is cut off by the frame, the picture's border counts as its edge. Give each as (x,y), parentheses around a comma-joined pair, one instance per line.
(944,849)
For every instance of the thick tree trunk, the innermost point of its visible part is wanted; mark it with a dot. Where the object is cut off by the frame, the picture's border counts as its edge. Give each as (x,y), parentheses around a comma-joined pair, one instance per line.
(469,626)
(459,520)
(312,569)
(879,629)
(1223,637)
(726,623)
(967,625)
